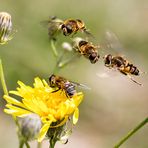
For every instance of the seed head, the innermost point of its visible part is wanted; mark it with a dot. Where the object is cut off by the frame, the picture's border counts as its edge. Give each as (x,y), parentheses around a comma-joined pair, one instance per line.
(30,126)
(5,27)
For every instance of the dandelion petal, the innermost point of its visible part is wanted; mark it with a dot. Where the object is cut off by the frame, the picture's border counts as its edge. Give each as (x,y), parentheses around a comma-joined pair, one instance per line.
(76,116)
(43,131)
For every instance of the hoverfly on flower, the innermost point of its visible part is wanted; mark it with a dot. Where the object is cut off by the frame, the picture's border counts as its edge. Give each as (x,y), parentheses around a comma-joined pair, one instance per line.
(61,83)
(53,108)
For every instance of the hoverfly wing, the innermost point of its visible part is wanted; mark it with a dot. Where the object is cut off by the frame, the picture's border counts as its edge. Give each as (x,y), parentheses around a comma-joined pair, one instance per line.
(80,85)
(88,33)
(44,23)
(53,26)
(113,42)
(52,22)
(108,73)
(103,75)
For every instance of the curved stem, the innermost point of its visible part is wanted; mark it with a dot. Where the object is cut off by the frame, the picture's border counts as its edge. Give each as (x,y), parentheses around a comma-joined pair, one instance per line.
(54,48)
(4,86)
(3,82)
(66,62)
(131,133)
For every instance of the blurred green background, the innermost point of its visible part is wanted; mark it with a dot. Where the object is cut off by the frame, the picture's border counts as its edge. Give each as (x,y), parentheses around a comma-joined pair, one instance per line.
(114,105)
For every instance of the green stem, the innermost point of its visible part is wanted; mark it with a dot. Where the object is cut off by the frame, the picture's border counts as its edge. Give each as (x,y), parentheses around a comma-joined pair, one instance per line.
(21,144)
(52,142)
(62,64)
(27,145)
(131,132)
(54,48)
(4,86)
(39,145)
(3,82)
(66,62)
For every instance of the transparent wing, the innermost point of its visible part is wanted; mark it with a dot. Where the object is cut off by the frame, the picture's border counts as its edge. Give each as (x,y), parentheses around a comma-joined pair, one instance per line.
(53,25)
(88,34)
(51,20)
(108,72)
(80,85)
(113,42)
(44,23)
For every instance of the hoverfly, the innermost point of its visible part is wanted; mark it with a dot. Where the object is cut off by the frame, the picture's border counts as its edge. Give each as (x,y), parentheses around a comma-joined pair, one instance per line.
(119,62)
(72,26)
(122,65)
(60,83)
(87,49)
(67,27)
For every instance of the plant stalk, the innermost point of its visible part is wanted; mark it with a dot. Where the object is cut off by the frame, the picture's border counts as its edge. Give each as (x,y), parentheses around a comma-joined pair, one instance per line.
(54,48)
(139,126)
(52,143)
(39,145)
(2,77)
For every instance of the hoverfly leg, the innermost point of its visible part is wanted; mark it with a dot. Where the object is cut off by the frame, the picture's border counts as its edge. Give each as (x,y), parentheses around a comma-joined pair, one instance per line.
(130,77)
(56,90)
(66,141)
(134,80)
(123,72)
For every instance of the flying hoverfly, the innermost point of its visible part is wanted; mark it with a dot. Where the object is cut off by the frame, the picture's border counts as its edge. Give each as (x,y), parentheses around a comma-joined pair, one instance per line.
(118,62)
(67,27)
(122,65)
(72,26)
(87,49)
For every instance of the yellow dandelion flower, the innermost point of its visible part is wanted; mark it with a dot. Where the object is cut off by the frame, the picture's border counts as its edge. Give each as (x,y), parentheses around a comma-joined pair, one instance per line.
(40,99)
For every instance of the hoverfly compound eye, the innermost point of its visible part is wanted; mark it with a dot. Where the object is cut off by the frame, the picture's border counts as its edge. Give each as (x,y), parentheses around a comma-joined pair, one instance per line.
(107,59)
(51,80)
(93,58)
(82,42)
(62,26)
(68,30)
(79,20)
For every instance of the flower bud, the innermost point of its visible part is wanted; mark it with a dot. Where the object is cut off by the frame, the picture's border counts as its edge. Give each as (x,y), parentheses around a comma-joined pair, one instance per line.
(5,27)
(30,126)
(67,46)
